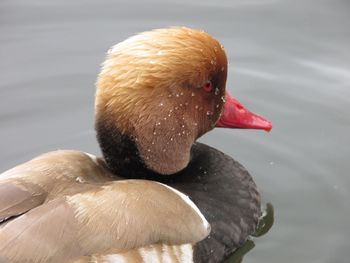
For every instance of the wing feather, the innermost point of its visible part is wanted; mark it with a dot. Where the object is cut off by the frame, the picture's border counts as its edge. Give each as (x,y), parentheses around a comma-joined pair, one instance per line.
(118,215)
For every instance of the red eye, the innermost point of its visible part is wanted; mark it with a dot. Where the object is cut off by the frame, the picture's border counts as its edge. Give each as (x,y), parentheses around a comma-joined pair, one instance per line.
(208,87)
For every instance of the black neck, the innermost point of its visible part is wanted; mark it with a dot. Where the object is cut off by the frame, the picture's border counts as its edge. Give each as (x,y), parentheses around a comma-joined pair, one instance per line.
(122,156)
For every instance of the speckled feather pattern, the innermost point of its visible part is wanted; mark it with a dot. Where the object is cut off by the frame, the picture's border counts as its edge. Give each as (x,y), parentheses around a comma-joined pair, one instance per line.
(148,90)
(227,196)
(222,188)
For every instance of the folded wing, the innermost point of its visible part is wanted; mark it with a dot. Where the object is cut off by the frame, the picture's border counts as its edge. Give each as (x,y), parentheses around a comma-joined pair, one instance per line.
(117,215)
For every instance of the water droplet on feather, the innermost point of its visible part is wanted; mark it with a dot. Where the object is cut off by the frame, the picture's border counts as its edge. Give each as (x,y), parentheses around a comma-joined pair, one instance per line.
(80,179)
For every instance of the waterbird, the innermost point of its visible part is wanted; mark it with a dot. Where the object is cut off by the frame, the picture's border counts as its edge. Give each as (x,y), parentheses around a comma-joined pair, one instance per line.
(156,195)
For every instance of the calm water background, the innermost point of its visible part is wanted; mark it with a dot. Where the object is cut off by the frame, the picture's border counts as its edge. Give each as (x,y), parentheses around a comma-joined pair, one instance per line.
(289,61)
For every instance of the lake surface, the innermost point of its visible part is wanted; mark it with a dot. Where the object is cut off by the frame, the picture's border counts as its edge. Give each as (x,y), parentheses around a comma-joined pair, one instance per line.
(289,61)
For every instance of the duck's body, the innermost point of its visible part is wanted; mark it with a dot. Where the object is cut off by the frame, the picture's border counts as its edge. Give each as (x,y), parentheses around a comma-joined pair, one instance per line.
(43,185)
(151,106)
(68,205)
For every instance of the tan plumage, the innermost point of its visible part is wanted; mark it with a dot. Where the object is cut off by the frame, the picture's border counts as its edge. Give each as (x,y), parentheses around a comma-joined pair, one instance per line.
(46,177)
(73,208)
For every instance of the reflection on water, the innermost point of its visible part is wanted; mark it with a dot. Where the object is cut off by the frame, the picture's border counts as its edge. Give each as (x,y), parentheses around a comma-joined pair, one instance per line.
(238,255)
(265,223)
(289,61)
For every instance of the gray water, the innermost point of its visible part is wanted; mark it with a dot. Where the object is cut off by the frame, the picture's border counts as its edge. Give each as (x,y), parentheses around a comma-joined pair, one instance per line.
(289,61)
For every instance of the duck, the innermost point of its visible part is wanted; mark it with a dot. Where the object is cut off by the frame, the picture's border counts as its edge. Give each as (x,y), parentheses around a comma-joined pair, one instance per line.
(155,194)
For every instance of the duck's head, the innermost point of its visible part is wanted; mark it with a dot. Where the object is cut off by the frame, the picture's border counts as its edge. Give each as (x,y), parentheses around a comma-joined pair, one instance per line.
(160,91)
